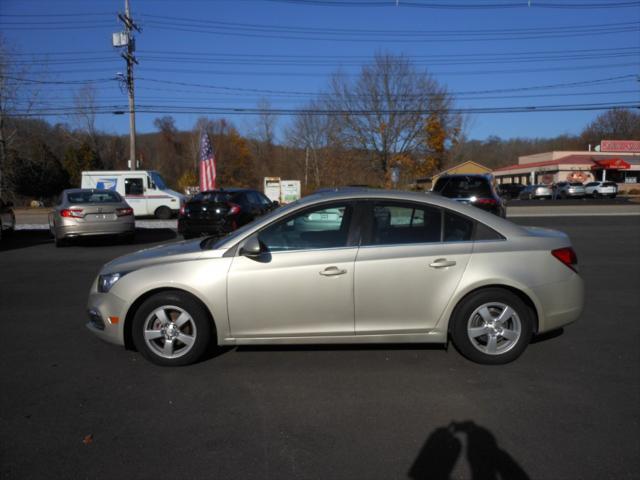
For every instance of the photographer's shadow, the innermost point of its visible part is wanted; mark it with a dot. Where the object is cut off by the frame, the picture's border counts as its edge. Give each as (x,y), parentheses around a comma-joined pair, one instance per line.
(443,449)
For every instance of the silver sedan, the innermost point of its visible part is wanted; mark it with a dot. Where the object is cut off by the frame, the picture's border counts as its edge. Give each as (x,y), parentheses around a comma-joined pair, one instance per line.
(366,266)
(83,212)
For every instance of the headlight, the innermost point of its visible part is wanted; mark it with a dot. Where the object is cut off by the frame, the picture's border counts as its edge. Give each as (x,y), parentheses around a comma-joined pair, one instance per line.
(105,282)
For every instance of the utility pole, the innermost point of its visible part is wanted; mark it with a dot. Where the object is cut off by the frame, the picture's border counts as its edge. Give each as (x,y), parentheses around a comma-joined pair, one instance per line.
(126,39)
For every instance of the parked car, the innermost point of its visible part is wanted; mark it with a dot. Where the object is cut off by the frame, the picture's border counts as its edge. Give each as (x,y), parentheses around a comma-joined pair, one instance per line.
(532,192)
(510,190)
(476,190)
(7,218)
(384,267)
(601,189)
(218,212)
(569,190)
(87,212)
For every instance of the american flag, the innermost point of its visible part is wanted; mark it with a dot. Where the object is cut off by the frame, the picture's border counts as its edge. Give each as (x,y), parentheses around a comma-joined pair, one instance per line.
(207,164)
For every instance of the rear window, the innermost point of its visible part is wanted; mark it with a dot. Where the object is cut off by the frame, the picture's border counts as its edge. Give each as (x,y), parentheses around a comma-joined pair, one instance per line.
(217,197)
(576,184)
(94,197)
(453,187)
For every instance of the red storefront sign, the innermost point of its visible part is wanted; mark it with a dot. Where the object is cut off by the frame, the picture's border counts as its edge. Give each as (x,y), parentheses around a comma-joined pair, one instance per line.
(612,164)
(620,146)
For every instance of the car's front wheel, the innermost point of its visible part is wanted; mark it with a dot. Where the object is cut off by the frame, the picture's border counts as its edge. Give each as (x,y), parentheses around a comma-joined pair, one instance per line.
(492,326)
(171,329)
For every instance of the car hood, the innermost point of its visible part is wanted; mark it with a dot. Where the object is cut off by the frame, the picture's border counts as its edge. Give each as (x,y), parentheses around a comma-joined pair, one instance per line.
(173,252)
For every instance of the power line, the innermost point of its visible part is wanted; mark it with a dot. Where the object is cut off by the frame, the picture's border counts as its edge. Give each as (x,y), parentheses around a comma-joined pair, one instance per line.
(160,109)
(461,6)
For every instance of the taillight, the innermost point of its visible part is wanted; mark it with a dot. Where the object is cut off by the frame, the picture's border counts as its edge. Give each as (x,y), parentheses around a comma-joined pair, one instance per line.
(567,256)
(71,213)
(123,212)
(234,209)
(485,201)
(182,210)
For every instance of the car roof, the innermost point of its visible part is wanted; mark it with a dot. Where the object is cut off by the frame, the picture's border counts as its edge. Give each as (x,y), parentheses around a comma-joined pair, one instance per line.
(92,190)
(229,190)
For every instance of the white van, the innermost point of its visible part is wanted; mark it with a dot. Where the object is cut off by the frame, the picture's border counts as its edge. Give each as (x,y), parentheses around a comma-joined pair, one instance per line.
(144,190)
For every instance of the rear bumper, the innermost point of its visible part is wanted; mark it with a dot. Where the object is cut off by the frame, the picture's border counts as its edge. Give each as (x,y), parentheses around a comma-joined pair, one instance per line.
(196,227)
(92,229)
(562,302)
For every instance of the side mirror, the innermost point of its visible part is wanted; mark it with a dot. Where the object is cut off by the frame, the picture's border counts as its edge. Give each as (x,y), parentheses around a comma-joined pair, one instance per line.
(275,204)
(251,247)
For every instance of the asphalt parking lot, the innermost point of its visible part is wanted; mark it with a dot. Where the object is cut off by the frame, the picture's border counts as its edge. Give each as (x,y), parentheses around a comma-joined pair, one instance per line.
(72,406)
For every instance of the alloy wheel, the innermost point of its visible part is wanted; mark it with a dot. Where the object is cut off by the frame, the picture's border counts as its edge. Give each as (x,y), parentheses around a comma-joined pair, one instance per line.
(494,328)
(169,331)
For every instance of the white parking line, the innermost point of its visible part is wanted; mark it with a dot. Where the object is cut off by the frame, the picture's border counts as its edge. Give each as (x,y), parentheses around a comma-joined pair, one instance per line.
(569,214)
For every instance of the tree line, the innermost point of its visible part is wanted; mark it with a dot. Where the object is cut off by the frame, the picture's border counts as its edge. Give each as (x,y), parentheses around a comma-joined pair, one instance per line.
(391,123)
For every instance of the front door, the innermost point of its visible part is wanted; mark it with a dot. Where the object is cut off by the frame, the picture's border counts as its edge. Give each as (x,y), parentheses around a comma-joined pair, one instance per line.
(302,285)
(408,267)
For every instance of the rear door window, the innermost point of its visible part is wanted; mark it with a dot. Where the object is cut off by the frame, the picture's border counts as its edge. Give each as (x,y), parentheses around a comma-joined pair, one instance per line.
(457,228)
(404,223)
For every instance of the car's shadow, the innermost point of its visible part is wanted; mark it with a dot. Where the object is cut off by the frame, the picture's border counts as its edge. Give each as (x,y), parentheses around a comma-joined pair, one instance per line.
(341,347)
(31,238)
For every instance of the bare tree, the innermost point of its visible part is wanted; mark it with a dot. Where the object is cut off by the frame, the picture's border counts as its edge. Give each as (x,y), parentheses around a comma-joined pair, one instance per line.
(85,113)
(616,124)
(385,110)
(17,97)
(310,132)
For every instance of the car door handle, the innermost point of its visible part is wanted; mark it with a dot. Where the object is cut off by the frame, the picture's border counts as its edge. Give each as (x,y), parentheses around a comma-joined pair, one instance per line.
(441,263)
(332,271)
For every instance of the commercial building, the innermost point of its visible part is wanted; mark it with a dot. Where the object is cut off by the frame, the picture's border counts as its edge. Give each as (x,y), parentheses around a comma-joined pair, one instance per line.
(619,163)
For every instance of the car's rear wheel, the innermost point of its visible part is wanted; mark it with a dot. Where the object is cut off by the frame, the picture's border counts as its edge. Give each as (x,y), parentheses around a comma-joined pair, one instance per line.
(492,326)
(163,213)
(171,329)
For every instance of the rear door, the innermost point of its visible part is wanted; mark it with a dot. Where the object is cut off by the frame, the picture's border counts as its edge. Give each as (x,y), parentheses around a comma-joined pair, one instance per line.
(408,267)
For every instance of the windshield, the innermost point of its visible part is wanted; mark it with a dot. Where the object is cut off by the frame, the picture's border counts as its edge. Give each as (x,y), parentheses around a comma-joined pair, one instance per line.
(93,196)
(158,180)
(215,242)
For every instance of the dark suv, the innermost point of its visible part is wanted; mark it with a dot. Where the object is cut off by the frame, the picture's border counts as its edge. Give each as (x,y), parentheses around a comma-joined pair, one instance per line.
(218,212)
(477,190)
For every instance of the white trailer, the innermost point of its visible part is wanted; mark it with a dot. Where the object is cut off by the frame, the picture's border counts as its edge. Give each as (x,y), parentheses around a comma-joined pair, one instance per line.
(144,190)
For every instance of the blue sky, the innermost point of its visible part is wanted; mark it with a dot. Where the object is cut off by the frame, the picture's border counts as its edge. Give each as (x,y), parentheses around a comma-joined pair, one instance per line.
(232,53)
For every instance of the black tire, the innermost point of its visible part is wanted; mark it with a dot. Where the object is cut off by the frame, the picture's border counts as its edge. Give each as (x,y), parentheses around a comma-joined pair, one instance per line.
(596,194)
(129,238)
(162,213)
(465,316)
(201,329)
(61,242)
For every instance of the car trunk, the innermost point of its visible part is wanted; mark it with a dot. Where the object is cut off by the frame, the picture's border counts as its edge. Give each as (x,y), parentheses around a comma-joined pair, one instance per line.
(96,213)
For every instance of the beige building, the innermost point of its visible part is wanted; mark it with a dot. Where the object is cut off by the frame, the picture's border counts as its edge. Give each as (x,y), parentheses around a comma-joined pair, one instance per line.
(464,167)
(577,166)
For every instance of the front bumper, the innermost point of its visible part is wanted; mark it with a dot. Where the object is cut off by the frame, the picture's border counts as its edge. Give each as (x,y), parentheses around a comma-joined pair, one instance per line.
(106,313)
